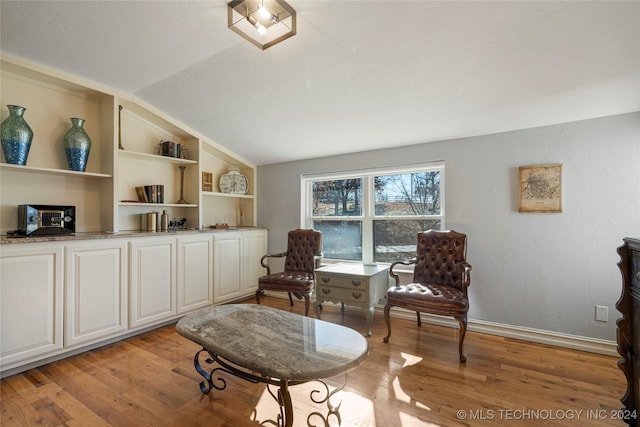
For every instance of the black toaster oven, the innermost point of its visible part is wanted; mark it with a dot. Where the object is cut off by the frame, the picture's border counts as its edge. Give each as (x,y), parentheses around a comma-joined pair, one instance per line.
(46,220)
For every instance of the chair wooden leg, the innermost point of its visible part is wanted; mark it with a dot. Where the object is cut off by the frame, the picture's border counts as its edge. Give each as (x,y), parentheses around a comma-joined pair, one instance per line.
(387,319)
(463,330)
(290,299)
(419,319)
(258,294)
(306,305)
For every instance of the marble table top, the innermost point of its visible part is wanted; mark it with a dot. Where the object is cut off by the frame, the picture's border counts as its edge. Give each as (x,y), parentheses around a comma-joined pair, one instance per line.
(275,343)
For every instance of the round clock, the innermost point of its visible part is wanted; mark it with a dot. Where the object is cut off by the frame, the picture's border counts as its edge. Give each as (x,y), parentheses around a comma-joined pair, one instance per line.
(234,182)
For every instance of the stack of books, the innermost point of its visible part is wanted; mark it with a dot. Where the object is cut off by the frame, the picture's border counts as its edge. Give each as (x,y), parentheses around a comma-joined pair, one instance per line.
(150,193)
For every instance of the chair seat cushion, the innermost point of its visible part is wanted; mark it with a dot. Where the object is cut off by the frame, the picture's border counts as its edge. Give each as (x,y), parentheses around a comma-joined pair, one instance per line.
(427,297)
(298,281)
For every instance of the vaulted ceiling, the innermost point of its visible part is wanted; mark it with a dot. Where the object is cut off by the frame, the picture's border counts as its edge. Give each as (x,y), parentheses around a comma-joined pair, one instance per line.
(359,75)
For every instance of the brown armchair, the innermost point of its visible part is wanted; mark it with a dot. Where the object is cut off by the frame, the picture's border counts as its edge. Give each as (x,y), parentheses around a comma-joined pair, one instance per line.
(303,255)
(441,277)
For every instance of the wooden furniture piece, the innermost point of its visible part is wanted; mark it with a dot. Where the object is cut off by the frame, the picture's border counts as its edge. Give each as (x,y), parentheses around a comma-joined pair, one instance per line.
(441,277)
(264,345)
(351,284)
(628,335)
(303,256)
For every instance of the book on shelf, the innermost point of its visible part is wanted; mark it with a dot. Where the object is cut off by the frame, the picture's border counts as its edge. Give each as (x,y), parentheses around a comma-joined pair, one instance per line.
(142,195)
(150,193)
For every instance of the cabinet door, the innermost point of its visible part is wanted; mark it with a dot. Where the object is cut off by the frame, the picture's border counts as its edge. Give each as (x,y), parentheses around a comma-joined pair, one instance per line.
(227,266)
(96,291)
(195,272)
(30,303)
(152,280)
(255,246)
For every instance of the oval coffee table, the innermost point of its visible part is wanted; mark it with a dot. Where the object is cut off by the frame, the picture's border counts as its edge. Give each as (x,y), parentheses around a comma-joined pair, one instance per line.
(265,345)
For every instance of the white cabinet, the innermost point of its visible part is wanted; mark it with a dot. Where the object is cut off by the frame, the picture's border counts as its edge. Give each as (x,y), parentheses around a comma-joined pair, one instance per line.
(152,280)
(96,290)
(31,298)
(194,271)
(255,246)
(236,263)
(227,266)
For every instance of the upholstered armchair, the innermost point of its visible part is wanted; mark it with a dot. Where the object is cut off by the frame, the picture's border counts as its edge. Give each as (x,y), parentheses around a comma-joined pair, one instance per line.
(303,256)
(441,277)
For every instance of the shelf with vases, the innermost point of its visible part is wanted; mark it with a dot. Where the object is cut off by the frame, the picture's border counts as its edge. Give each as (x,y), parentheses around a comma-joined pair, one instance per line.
(156,158)
(52,171)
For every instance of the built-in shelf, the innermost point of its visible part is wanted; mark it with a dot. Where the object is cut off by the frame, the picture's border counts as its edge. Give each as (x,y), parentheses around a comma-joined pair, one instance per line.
(172,205)
(156,157)
(234,195)
(52,171)
(107,194)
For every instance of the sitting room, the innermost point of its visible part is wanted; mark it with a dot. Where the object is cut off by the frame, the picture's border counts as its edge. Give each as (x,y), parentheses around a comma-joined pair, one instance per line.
(304,213)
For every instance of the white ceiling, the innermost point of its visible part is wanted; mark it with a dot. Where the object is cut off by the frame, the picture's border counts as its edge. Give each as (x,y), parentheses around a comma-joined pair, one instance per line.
(359,75)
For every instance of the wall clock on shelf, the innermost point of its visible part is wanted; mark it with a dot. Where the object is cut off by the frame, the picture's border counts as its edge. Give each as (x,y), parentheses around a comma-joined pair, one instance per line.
(234,182)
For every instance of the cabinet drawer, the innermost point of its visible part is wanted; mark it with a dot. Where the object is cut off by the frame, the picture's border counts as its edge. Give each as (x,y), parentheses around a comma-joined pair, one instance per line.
(348,296)
(343,282)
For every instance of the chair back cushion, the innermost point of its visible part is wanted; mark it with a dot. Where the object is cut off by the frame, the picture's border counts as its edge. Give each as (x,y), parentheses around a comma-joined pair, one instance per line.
(439,254)
(302,248)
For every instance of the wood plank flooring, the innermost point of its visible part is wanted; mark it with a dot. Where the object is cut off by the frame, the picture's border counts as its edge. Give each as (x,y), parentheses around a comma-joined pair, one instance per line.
(414,380)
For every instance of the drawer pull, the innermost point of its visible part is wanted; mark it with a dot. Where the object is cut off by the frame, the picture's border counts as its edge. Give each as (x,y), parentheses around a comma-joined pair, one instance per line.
(325,279)
(326,291)
(356,295)
(356,283)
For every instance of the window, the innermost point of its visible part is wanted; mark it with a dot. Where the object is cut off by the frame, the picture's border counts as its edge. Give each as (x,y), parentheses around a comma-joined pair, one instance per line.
(374,216)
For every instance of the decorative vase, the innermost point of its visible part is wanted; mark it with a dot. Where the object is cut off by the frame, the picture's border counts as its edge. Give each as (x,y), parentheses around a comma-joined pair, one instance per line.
(77,145)
(16,136)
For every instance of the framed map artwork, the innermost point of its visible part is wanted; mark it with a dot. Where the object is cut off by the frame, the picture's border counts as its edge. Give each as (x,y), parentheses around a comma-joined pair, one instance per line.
(540,188)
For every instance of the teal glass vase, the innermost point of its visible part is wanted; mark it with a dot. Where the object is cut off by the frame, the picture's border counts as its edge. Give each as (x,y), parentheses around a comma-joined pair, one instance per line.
(77,145)
(16,136)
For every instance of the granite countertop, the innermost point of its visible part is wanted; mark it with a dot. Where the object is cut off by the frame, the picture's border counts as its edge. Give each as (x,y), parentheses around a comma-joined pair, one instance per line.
(97,235)
(275,343)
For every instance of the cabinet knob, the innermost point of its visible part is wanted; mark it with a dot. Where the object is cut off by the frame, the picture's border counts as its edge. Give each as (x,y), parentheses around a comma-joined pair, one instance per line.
(325,279)
(356,295)
(326,291)
(356,283)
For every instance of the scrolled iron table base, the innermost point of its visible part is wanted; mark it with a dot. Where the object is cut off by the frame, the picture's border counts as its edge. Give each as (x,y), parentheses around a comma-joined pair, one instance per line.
(281,395)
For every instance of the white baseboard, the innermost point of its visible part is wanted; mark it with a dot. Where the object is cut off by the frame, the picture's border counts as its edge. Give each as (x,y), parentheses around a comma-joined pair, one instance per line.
(575,342)
(558,339)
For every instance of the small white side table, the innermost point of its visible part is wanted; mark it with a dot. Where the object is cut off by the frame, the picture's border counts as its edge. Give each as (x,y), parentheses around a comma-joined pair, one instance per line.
(351,284)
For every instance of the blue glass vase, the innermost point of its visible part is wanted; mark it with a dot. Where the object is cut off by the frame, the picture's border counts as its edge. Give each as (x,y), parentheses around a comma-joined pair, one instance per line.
(16,136)
(77,145)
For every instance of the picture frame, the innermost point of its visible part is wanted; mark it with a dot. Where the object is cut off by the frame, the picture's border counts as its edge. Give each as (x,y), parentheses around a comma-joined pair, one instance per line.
(540,188)
(207,181)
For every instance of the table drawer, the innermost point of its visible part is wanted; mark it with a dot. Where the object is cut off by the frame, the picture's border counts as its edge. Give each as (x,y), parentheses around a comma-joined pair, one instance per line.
(348,296)
(358,284)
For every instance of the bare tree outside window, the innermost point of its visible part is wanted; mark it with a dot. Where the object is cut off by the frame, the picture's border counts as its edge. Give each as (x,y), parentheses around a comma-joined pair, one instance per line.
(402,205)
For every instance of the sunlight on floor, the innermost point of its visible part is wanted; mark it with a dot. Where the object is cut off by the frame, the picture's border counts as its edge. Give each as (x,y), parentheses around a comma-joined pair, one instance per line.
(354,410)
(410,359)
(404,397)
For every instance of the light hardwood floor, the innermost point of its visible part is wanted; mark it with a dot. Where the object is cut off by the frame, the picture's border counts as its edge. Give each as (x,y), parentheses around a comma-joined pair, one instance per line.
(415,380)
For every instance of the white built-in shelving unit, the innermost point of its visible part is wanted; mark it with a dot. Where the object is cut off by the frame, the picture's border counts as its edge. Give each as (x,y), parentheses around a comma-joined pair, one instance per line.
(105,194)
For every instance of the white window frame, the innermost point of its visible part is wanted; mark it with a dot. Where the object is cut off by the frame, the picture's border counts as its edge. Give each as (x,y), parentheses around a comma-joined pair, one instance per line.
(368,205)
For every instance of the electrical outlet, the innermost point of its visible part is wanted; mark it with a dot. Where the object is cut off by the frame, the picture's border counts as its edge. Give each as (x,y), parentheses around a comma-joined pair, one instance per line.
(602,313)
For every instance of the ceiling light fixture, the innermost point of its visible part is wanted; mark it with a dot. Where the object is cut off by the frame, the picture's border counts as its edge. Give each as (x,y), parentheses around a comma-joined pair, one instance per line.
(262,22)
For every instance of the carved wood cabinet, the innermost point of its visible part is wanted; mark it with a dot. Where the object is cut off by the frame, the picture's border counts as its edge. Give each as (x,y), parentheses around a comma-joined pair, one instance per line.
(628,332)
